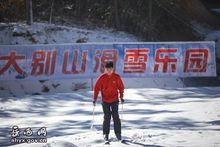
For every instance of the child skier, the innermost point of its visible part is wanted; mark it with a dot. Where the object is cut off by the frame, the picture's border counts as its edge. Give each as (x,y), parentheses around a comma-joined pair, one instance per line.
(111,86)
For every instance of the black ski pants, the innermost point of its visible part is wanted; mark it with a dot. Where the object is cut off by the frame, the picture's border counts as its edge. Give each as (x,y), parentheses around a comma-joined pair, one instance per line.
(111,109)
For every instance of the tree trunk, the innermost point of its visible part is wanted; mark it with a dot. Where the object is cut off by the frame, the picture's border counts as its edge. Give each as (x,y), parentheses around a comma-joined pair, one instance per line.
(51,11)
(29,11)
(115,8)
(150,29)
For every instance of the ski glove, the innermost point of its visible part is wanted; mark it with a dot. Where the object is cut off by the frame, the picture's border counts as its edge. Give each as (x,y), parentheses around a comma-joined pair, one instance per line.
(122,100)
(94,103)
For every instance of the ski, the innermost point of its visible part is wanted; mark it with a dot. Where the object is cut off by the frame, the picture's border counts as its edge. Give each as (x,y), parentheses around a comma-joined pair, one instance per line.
(107,142)
(125,141)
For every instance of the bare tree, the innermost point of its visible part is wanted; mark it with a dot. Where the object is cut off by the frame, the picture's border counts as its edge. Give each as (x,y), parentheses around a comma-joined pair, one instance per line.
(51,11)
(29,12)
(150,37)
(115,8)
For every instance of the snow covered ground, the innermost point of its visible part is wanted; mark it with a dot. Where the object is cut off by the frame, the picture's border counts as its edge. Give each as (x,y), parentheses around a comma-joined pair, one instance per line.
(42,33)
(150,117)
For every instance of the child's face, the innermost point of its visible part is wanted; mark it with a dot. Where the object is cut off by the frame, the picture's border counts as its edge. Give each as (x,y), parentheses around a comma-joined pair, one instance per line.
(108,70)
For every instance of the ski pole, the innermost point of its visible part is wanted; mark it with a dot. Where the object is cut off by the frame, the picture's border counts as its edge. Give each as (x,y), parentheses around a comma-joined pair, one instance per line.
(93,113)
(121,116)
(121,110)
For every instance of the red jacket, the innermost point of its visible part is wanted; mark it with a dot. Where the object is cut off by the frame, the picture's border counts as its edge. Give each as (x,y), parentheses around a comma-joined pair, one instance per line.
(110,86)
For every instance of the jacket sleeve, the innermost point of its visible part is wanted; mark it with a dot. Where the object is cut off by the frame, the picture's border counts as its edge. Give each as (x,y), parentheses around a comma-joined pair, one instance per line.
(120,87)
(97,88)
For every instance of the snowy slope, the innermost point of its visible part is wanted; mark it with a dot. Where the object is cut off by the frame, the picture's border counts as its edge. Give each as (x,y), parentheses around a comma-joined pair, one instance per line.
(150,117)
(41,33)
